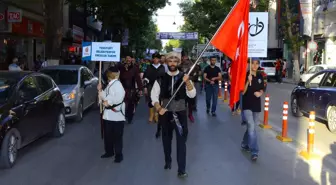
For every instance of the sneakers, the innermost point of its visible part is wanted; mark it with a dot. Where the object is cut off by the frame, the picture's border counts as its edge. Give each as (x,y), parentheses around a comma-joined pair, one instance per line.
(254,157)
(207,111)
(182,174)
(106,155)
(191,118)
(167,166)
(243,123)
(213,114)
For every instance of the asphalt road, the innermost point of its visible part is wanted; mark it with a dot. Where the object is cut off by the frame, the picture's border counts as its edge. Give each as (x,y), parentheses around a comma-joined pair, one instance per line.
(213,156)
(297,127)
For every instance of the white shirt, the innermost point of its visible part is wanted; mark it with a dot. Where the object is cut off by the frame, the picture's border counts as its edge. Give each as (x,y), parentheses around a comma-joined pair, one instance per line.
(14,67)
(155,93)
(114,94)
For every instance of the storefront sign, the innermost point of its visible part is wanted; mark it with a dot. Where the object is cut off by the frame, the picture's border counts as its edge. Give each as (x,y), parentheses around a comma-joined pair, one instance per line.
(258,34)
(14,15)
(77,33)
(28,28)
(101,51)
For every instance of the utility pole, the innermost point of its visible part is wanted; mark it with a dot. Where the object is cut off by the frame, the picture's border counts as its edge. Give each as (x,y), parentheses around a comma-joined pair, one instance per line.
(312,36)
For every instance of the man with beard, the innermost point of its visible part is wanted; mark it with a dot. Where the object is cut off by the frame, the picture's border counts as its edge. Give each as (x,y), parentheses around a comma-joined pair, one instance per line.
(212,74)
(153,72)
(175,116)
(130,79)
(186,64)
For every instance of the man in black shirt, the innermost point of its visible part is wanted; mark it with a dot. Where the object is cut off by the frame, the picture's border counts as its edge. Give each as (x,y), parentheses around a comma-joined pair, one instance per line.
(254,89)
(212,74)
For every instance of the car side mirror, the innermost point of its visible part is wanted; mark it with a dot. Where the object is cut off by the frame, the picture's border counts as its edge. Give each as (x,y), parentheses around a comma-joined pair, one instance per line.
(302,84)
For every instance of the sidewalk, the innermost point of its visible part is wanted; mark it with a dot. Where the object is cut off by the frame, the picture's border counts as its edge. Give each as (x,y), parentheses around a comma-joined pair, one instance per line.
(289,81)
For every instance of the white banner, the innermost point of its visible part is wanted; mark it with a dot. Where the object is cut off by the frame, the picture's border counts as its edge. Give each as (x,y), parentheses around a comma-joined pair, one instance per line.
(101,51)
(258,34)
(177,35)
(306,7)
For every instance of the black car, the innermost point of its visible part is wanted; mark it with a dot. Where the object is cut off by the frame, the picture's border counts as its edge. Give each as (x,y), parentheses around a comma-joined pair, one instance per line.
(31,105)
(317,94)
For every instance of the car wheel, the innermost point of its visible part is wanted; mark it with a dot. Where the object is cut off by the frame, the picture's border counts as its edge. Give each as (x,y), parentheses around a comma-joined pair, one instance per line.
(80,110)
(331,118)
(60,125)
(9,149)
(295,107)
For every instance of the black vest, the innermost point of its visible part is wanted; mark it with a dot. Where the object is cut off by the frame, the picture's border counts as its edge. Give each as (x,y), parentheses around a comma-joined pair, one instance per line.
(166,84)
(153,73)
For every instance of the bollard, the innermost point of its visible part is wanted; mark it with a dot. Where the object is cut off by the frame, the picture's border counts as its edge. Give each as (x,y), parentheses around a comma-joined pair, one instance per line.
(283,137)
(265,124)
(220,89)
(226,92)
(309,153)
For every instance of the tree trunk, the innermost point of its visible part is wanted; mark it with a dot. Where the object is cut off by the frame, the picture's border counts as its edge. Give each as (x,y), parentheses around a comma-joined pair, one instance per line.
(53,13)
(295,47)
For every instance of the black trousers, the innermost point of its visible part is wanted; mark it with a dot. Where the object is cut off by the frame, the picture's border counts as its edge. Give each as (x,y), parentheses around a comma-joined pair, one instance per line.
(113,137)
(130,105)
(167,135)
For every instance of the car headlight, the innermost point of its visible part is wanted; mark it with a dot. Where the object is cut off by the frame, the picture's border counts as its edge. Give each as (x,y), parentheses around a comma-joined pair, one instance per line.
(69,96)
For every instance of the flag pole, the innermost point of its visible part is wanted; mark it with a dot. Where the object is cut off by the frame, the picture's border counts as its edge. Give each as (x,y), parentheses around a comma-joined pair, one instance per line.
(201,54)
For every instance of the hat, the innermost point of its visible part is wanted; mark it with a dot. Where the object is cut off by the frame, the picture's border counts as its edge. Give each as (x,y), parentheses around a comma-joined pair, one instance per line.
(174,55)
(156,55)
(113,69)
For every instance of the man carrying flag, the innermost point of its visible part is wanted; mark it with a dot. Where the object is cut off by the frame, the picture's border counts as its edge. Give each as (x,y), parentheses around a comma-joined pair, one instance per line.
(232,39)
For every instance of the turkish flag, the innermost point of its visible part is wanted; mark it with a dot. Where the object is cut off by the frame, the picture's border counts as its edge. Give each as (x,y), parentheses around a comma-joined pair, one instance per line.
(232,40)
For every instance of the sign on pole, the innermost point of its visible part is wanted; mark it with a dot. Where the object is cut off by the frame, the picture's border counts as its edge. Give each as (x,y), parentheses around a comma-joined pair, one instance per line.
(312,45)
(258,34)
(101,51)
(177,35)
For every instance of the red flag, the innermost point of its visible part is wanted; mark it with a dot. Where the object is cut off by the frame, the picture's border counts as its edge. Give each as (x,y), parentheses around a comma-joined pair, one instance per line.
(232,40)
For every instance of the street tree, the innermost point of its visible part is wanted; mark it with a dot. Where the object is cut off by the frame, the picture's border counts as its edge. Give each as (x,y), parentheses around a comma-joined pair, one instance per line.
(171,44)
(290,31)
(53,15)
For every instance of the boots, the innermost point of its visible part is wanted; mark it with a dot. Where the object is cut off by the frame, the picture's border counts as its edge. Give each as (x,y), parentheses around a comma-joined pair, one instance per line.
(156,117)
(151,114)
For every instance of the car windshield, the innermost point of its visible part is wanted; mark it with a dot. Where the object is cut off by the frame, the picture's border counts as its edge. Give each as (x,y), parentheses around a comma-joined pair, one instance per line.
(6,87)
(62,77)
(331,67)
(267,64)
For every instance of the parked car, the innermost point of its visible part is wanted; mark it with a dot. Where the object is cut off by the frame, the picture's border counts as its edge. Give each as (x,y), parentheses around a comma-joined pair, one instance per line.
(317,94)
(268,66)
(314,69)
(78,86)
(31,106)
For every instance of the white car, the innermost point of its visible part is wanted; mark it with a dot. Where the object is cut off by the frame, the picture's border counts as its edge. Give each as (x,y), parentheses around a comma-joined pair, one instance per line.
(313,70)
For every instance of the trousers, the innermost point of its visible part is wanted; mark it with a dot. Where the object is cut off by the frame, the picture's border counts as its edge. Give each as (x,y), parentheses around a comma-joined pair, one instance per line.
(113,137)
(167,135)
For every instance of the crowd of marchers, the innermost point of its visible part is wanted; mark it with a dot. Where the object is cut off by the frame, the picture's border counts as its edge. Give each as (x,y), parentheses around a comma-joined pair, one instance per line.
(167,84)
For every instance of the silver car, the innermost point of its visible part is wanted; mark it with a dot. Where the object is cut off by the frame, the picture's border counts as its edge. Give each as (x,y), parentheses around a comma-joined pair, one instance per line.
(78,87)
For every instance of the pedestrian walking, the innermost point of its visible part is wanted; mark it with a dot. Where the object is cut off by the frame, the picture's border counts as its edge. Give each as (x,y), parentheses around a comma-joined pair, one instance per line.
(212,74)
(203,65)
(112,99)
(14,66)
(185,66)
(254,89)
(174,118)
(154,71)
(132,83)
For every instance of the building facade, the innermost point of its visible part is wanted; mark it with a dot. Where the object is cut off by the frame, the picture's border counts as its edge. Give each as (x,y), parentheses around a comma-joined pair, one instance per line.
(21,32)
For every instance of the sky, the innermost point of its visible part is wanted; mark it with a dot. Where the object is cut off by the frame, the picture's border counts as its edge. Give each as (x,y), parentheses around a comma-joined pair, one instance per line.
(167,16)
